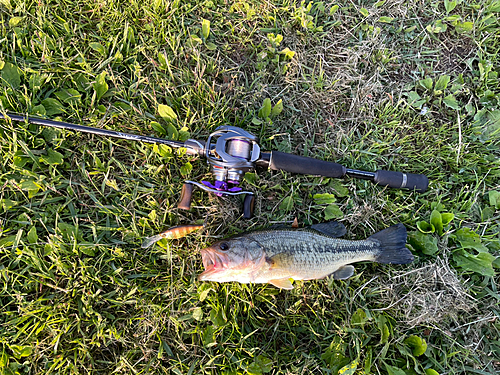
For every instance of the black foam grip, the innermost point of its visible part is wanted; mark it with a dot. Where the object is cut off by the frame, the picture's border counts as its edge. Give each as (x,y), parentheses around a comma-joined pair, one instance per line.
(248,206)
(281,161)
(187,191)
(399,180)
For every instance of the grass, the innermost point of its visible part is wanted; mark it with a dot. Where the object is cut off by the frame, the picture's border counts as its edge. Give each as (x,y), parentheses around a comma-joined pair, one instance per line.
(409,86)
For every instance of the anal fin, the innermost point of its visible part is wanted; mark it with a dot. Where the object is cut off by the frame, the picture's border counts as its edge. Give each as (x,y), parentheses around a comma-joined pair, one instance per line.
(343,272)
(282,283)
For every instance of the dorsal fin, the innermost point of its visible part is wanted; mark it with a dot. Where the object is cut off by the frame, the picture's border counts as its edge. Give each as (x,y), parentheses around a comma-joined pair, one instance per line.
(282,283)
(331,228)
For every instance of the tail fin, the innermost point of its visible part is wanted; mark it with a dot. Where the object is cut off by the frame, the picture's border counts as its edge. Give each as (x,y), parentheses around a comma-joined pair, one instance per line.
(392,245)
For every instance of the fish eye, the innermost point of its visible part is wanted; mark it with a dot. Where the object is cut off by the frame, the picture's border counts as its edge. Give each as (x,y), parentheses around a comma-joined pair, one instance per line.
(224,246)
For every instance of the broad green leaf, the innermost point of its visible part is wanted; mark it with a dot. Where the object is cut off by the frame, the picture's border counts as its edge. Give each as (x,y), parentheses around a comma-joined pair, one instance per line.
(470,240)
(430,371)
(339,189)
(415,100)
(425,227)
(208,338)
(378,4)
(198,313)
(446,218)
(52,106)
(7,204)
(350,369)
(32,236)
(442,83)
(288,53)
(98,47)
(205,28)
(264,363)
(384,333)
(31,187)
(204,294)
(333,211)
(496,262)
(11,74)
(325,198)
(52,157)
(286,204)
(494,198)
(158,128)
(211,46)
(194,40)
(359,317)
(20,351)
(385,19)
(87,249)
(217,317)
(392,370)
(253,369)
(425,243)
(364,12)
(463,27)
(437,27)
(437,222)
(277,109)
(172,132)
(449,5)
(256,121)
(14,21)
(100,85)
(166,112)
(69,96)
(451,102)
(417,345)
(333,9)
(162,59)
(426,83)
(186,169)
(481,263)
(69,232)
(36,81)
(266,108)
(184,134)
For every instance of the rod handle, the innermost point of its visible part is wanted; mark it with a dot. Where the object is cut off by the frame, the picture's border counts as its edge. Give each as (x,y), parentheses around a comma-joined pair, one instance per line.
(399,180)
(282,161)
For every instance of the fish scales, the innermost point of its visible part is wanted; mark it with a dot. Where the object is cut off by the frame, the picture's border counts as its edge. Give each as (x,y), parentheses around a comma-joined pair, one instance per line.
(276,256)
(311,251)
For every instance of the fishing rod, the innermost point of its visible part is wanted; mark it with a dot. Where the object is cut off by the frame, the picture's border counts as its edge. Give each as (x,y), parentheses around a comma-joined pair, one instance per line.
(232,151)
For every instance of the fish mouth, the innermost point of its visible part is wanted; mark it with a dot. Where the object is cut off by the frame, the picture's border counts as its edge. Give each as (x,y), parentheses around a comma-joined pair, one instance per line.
(213,261)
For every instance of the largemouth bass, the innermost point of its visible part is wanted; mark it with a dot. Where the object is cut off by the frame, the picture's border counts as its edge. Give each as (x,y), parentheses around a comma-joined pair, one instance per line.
(276,256)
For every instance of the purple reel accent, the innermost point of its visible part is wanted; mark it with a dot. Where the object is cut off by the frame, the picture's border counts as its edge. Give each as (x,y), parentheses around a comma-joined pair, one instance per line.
(222,186)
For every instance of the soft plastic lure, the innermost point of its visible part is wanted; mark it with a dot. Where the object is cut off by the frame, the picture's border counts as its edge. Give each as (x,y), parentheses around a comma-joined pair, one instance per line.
(171,234)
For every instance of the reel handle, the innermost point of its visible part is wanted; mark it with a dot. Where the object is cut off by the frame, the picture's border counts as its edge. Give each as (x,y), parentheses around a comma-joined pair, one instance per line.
(187,192)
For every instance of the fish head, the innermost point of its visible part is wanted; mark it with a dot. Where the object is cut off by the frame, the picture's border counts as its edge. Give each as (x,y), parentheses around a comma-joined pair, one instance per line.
(234,259)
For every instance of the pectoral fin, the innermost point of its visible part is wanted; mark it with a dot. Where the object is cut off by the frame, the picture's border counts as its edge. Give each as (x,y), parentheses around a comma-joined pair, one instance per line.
(343,272)
(280,260)
(282,283)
